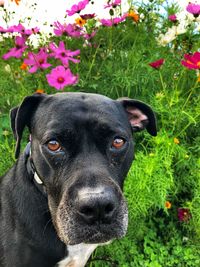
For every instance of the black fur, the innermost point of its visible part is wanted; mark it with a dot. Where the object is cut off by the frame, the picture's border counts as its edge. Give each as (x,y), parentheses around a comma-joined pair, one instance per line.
(30,214)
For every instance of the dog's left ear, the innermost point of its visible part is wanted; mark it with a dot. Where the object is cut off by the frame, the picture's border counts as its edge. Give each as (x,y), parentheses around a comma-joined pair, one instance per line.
(140,115)
(21,117)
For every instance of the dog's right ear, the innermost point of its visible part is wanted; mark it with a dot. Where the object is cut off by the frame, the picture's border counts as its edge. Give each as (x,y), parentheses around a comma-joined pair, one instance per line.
(21,117)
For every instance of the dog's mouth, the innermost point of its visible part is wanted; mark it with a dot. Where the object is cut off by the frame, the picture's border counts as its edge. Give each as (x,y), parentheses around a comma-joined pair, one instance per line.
(72,231)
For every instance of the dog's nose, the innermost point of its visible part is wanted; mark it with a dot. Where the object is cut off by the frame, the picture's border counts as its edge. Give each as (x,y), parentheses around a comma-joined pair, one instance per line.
(97,207)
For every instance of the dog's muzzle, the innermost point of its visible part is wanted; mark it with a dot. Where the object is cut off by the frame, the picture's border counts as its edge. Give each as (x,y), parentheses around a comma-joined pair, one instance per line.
(95,215)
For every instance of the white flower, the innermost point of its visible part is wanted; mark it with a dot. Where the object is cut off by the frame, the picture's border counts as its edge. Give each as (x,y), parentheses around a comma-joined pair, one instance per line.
(7,68)
(170,35)
(142,16)
(181,28)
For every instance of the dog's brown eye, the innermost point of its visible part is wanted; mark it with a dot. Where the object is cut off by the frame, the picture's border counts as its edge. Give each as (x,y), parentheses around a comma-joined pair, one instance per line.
(118,143)
(54,145)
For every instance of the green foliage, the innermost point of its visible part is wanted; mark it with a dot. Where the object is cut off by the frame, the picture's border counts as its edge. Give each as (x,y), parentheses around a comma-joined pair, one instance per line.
(166,168)
(162,244)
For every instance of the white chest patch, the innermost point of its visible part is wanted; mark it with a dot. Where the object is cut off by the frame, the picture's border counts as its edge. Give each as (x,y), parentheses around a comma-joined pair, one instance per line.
(78,255)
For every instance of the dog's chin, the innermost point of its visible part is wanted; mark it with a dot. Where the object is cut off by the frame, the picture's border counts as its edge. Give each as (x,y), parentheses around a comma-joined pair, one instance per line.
(73,233)
(92,235)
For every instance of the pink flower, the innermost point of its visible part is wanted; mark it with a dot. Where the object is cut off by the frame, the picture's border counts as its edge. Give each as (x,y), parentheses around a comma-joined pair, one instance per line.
(184,214)
(117,20)
(114,21)
(157,64)
(21,29)
(66,29)
(18,50)
(89,36)
(192,61)
(114,4)
(31,31)
(173,18)
(77,8)
(15,28)
(88,16)
(2,30)
(37,61)
(61,77)
(62,54)
(193,9)
(106,22)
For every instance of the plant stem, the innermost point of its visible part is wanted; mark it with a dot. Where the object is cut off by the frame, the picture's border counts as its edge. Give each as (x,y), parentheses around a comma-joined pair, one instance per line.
(164,87)
(191,91)
(92,64)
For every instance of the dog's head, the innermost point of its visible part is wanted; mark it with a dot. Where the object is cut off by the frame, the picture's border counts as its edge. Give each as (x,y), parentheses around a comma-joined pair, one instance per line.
(82,149)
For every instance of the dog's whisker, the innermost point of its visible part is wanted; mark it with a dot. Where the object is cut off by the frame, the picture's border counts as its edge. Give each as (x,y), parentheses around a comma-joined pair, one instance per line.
(50,220)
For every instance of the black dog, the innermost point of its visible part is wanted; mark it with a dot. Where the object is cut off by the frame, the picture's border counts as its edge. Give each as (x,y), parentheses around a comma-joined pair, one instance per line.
(66,188)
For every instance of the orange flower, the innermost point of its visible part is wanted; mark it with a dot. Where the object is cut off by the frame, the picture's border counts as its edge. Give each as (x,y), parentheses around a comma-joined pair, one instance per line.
(134,16)
(23,66)
(40,91)
(168,205)
(16,1)
(198,79)
(79,21)
(176,141)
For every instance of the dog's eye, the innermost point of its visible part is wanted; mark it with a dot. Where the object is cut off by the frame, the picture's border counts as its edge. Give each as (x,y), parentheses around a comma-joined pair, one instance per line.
(54,146)
(118,143)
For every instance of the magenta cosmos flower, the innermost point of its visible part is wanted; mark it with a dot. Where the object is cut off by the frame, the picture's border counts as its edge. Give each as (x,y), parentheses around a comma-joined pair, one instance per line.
(61,77)
(184,214)
(191,61)
(2,30)
(88,16)
(77,8)
(37,61)
(113,4)
(114,21)
(173,18)
(193,9)
(89,36)
(18,50)
(67,29)
(21,29)
(157,64)
(59,52)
